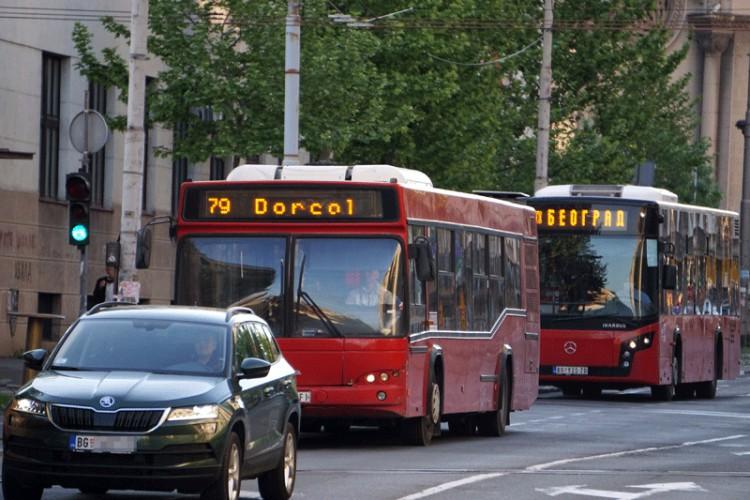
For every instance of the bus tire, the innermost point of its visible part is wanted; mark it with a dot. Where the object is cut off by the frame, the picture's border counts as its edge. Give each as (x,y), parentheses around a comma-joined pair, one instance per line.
(592,391)
(707,390)
(666,392)
(493,423)
(465,425)
(571,391)
(419,431)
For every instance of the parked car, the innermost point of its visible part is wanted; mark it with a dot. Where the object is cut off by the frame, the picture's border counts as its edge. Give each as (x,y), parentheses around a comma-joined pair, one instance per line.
(155,398)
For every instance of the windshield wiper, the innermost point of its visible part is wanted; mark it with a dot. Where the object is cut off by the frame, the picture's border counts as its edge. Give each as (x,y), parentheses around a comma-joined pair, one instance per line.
(67,368)
(319,313)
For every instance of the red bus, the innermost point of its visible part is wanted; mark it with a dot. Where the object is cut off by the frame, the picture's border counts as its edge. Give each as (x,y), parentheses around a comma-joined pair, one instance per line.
(400,304)
(637,290)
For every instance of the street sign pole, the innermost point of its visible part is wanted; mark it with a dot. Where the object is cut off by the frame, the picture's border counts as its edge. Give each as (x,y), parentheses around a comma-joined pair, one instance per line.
(88,134)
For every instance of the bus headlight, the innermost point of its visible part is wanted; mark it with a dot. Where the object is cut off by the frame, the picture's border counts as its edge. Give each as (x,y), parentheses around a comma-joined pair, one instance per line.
(370,378)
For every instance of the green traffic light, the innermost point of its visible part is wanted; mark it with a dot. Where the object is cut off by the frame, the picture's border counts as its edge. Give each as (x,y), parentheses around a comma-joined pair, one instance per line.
(79,232)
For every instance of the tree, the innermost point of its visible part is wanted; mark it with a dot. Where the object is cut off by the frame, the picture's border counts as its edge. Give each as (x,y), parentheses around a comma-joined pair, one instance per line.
(449,89)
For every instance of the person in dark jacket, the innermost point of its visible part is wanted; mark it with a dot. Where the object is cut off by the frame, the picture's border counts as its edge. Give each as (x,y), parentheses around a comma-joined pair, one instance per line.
(104,290)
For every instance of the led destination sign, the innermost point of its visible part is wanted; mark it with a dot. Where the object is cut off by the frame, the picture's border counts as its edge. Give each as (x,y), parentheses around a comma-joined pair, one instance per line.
(258,203)
(597,218)
(615,219)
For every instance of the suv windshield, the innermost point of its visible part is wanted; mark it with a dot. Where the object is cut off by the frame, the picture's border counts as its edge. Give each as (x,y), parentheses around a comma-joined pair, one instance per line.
(585,276)
(150,345)
(337,287)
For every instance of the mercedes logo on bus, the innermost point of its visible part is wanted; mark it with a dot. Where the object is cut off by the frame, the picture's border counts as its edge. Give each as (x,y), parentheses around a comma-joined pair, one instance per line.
(570,347)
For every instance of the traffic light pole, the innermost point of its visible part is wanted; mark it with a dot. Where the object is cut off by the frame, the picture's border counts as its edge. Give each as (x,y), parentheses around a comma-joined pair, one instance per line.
(83,266)
(83,309)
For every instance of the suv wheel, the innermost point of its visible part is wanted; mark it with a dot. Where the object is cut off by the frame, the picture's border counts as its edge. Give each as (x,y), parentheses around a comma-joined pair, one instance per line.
(227,487)
(15,490)
(278,483)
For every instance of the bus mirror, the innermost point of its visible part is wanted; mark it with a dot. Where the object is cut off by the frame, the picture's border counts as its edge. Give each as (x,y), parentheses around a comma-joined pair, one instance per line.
(143,248)
(669,277)
(424,261)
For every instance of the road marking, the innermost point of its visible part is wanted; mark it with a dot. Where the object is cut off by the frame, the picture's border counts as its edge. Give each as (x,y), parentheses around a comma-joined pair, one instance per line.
(453,484)
(741,453)
(539,467)
(703,413)
(651,489)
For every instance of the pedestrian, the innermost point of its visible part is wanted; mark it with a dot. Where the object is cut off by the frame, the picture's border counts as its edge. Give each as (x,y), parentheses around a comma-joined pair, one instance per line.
(104,290)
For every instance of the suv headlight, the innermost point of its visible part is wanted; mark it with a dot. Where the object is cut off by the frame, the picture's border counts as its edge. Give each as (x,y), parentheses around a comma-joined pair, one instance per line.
(27,405)
(206,412)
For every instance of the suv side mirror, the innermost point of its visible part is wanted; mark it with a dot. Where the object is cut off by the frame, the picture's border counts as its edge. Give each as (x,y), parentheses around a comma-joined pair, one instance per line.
(424,261)
(34,359)
(254,368)
(669,277)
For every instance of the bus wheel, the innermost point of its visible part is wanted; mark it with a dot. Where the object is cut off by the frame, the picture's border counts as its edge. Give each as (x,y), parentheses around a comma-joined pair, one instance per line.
(494,422)
(707,390)
(310,425)
(419,431)
(666,392)
(571,391)
(463,426)
(592,392)
(684,391)
(336,426)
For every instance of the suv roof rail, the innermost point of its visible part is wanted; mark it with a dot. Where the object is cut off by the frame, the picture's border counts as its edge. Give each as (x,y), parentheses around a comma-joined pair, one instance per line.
(238,310)
(106,305)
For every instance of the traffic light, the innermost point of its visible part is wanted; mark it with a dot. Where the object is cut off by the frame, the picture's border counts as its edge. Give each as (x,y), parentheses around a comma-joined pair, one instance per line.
(78,194)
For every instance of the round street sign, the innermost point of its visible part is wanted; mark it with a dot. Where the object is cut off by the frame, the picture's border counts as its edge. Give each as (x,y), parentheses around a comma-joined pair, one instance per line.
(88,131)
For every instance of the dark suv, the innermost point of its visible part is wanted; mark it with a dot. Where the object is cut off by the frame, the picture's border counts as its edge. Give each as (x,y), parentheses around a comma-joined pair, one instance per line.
(156,398)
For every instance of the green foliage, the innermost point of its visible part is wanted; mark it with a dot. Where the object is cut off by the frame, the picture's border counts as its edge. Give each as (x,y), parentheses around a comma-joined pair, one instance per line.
(433,89)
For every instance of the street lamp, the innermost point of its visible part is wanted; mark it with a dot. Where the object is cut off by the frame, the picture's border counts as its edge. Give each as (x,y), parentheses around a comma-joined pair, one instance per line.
(292,71)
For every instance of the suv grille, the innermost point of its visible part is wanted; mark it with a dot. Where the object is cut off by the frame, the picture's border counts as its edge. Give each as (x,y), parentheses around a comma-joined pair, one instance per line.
(91,420)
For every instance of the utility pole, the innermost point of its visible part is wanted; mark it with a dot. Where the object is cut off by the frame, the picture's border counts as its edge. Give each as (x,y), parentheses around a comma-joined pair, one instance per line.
(132,171)
(744,126)
(545,84)
(291,84)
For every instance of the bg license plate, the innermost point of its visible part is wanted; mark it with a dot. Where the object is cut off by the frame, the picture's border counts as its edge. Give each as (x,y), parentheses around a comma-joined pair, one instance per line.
(570,370)
(305,396)
(102,444)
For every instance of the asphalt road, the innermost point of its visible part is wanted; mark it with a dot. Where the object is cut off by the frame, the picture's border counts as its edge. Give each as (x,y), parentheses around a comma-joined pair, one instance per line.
(622,446)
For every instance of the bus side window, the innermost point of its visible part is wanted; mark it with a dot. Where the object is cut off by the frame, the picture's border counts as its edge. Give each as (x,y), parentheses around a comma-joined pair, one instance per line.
(417,312)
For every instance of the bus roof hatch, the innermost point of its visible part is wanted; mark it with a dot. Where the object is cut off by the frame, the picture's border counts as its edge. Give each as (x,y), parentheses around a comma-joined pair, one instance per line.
(356,173)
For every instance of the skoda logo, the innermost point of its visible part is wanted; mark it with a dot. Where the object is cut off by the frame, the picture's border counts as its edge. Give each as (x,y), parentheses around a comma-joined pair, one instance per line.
(107,402)
(570,347)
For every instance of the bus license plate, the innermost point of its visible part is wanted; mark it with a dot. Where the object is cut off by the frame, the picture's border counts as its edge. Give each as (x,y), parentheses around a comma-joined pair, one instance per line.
(305,396)
(570,370)
(102,444)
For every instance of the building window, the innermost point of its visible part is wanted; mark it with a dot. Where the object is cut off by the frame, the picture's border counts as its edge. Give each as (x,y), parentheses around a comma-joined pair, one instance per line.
(49,303)
(217,169)
(97,102)
(150,82)
(49,158)
(179,167)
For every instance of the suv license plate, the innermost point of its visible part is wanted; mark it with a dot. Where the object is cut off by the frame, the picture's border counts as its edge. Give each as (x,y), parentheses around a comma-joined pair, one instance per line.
(570,370)
(102,444)
(305,396)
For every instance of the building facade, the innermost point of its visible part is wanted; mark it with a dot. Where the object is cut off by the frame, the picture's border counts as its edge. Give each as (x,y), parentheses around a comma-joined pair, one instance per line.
(41,91)
(717,33)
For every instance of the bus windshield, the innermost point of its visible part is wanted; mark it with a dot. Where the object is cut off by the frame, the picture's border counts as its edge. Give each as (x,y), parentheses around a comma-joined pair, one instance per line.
(592,276)
(338,286)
